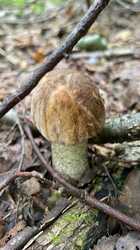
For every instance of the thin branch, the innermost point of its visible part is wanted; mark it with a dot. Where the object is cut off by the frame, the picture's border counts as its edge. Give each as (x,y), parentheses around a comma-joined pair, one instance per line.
(109,53)
(80,194)
(7,178)
(117,129)
(22,144)
(10,118)
(20,239)
(29,234)
(30,174)
(33,78)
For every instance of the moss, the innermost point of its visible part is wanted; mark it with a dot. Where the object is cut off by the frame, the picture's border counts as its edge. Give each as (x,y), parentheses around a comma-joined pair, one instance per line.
(85,217)
(74,217)
(74,225)
(75,220)
(56,240)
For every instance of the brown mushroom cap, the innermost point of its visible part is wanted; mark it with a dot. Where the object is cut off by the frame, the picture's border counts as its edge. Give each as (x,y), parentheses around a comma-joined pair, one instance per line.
(67,108)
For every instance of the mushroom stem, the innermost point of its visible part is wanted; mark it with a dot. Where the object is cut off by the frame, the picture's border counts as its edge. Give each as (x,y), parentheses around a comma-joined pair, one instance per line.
(70,160)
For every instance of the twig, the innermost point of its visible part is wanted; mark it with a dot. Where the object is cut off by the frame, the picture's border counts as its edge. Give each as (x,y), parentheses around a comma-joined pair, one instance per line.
(112,181)
(29,174)
(110,53)
(80,194)
(22,144)
(8,177)
(31,233)
(10,118)
(33,78)
(20,239)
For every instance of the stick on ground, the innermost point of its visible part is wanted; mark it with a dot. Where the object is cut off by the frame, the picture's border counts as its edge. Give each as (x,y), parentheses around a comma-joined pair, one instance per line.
(33,78)
(121,128)
(80,194)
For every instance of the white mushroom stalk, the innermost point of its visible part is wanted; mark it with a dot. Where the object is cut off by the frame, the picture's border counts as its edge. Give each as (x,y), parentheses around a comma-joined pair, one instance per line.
(70,160)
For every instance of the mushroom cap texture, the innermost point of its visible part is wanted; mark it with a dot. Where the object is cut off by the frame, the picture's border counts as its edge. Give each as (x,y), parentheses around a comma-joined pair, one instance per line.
(67,108)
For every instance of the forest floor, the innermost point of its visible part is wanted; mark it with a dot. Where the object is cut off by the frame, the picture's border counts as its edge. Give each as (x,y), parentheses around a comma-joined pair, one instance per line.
(25,40)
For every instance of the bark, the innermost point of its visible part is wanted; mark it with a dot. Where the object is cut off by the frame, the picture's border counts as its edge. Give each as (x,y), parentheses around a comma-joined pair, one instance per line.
(76,229)
(119,129)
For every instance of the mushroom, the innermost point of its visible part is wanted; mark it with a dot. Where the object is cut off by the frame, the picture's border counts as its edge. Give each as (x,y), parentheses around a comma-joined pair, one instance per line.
(67,109)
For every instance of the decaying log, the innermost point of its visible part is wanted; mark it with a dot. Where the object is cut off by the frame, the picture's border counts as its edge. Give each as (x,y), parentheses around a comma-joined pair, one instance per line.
(76,229)
(119,129)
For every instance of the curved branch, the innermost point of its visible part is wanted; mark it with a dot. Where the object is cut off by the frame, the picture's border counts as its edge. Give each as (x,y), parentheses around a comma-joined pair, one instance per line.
(81,194)
(33,78)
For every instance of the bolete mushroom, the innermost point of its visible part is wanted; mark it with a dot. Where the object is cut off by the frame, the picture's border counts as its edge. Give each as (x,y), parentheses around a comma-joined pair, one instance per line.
(67,109)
